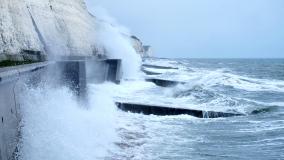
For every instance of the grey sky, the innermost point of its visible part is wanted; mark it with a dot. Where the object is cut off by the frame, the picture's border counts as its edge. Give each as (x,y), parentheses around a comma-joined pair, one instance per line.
(204,28)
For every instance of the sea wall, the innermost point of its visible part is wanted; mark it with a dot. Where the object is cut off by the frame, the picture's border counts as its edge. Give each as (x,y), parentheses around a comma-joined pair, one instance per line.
(9,120)
(73,73)
(10,88)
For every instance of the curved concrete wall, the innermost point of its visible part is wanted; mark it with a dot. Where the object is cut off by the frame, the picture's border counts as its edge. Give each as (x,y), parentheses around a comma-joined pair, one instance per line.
(72,73)
(9,119)
(10,88)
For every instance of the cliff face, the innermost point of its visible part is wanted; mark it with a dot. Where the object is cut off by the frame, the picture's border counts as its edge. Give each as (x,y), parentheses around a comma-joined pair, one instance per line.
(144,51)
(57,27)
(54,27)
(137,44)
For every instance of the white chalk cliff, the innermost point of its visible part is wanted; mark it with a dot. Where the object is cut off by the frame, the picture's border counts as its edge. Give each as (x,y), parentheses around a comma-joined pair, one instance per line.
(54,27)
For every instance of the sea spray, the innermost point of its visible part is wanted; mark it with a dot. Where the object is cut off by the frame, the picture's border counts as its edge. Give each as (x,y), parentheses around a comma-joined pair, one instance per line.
(55,126)
(115,41)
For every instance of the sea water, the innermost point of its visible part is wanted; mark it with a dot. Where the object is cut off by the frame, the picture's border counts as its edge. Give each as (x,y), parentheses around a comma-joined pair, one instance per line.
(55,126)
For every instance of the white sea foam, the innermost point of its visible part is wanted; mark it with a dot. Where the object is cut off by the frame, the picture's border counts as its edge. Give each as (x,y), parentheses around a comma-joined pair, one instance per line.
(115,39)
(55,126)
(211,78)
(142,92)
(241,82)
(200,91)
(162,62)
(160,70)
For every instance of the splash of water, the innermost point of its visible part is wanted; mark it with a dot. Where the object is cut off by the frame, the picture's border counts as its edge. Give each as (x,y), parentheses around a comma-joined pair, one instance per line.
(115,39)
(55,126)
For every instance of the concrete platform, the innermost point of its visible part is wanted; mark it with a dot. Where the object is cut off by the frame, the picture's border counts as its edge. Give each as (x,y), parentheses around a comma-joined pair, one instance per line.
(149,72)
(10,106)
(158,67)
(167,111)
(163,82)
(11,73)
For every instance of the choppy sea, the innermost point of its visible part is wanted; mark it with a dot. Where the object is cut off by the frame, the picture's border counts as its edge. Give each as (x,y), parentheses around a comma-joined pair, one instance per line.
(253,87)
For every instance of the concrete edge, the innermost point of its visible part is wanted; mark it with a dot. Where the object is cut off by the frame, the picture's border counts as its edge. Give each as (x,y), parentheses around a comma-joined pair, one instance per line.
(168,111)
(10,73)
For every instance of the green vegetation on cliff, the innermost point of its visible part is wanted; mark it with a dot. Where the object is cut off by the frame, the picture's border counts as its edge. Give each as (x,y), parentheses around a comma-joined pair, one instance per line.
(8,63)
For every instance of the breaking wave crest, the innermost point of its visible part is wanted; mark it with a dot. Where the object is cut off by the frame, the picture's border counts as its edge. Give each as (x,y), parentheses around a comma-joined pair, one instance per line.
(55,126)
(219,89)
